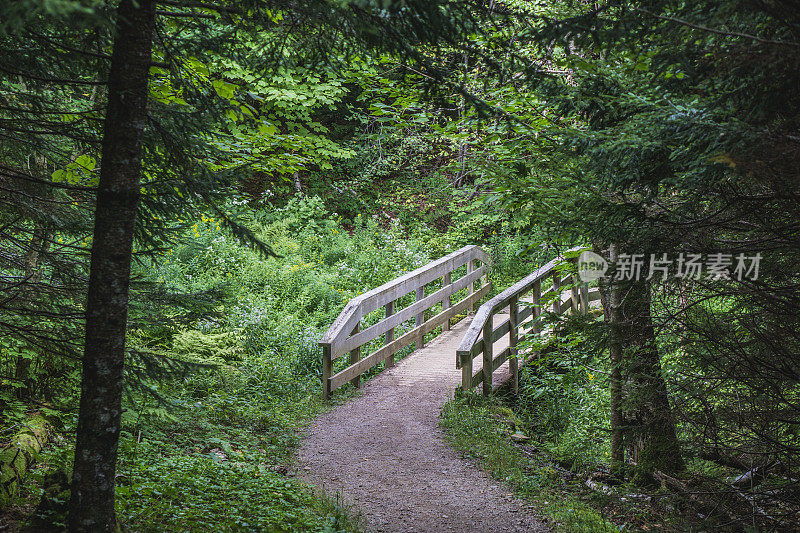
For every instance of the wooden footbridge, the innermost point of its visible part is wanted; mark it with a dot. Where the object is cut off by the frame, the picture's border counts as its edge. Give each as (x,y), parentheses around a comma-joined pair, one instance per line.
(383,451)
(427,303)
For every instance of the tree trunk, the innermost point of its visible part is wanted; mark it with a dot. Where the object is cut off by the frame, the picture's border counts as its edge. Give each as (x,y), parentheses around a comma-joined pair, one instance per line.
(640,411)
(92,496)
(610,293)
(652,443)
(37,248)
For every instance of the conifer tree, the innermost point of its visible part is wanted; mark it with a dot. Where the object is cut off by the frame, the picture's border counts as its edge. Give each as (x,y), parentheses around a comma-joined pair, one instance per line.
(158,123)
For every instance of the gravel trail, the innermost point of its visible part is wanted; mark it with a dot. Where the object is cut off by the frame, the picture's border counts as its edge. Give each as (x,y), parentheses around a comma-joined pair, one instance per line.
(386,455)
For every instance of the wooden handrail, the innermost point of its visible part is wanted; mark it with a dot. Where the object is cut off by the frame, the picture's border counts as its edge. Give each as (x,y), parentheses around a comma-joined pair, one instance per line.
(483,333)
(346,336)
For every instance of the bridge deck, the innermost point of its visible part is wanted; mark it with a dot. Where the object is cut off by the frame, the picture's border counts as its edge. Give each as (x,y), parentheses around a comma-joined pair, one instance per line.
(385,454)
(437,360)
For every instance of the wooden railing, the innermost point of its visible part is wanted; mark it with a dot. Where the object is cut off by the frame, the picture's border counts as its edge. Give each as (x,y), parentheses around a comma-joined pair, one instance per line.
(483,333)
(345,334)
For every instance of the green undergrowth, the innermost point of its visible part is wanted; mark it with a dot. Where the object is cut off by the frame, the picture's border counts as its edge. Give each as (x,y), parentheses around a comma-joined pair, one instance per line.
(213,480)
(551,443)
(220,388)
(480,429)
(225,372)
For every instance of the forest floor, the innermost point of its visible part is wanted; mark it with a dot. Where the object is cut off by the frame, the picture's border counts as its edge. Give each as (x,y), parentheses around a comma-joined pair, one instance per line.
(385,453)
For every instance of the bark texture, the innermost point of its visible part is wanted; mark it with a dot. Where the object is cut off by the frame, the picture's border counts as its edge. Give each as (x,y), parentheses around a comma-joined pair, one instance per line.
(641,417)
(92,495)
(611,297)
(652,438)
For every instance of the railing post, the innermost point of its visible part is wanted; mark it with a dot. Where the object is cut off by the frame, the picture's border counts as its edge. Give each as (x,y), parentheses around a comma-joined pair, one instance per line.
(538,309)
(513,337)
(557,293)
(584,298)
(536,291)
(466,371)
(420,318)
(446,302)
(355,357)
(326,371)
(471,286)
(338,333)
(487,355)
(574,303)
(389,336)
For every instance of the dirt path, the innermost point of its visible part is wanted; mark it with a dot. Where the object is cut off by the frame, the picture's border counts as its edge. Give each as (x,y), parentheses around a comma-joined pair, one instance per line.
(385,453)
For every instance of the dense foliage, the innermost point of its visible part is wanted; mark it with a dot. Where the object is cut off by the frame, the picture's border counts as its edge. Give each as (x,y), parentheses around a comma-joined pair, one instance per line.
(295,156)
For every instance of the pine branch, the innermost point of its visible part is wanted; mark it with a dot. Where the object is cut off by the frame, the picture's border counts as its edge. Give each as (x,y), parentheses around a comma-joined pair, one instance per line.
(716,31)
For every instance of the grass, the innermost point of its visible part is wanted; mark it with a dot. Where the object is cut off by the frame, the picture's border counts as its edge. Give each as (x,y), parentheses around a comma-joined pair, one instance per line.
(479,428)
(194,470)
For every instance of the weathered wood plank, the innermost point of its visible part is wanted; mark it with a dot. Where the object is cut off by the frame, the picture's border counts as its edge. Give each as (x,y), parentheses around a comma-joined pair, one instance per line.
(379,296)
(472,336)
(488,344)
(388,337)
(524,312)
(326,371)
(574,296)
(342,346)
(500,301)
(524,285)
(447,300)
(471,289)
(346,321)
(497,332)
(528,309)
(430,272)
(513,324)
(477,378)
(420,317)
(566,303)
(355,357)
(466,374)
(557,290)
(501,358)
(536,291)
(584,289)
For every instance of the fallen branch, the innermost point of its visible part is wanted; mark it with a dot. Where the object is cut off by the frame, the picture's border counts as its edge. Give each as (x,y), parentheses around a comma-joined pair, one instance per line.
(752,477)
(20,454)
(715,30)
(678,487)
